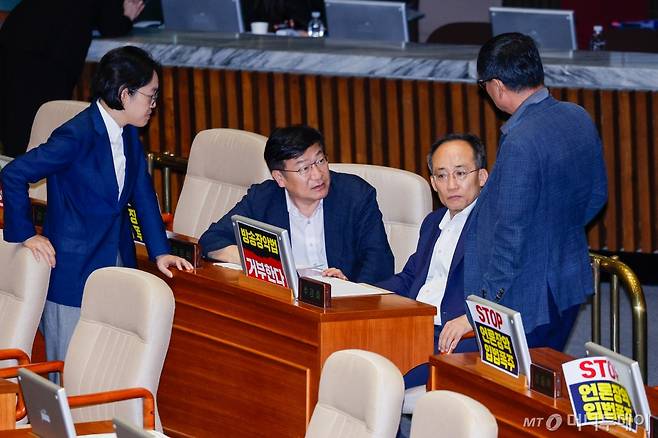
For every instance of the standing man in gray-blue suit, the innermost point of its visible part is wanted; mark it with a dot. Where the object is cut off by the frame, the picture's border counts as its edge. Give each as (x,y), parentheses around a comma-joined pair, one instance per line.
(526,246)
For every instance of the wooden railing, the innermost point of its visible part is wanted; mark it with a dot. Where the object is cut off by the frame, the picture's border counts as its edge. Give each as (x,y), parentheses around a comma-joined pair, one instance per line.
(393,122)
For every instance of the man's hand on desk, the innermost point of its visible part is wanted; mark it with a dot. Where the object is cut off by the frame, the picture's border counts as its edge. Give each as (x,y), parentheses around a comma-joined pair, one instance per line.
(227,254)
(334,272)
(452,332)
(41,248)
(165,260)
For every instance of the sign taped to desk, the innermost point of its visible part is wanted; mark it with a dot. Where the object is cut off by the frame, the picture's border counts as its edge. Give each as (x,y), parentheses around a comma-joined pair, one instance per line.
(596,395)
(500,336)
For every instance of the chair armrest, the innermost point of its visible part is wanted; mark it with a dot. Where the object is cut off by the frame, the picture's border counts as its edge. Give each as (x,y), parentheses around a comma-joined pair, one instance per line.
(56,366)
(39,368)
(14,353)
(78,401)
(168,220)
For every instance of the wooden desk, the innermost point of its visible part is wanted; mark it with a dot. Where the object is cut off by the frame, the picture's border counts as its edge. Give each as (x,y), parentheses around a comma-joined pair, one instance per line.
(8,391)
(245,359)
(510,401)
(80,429)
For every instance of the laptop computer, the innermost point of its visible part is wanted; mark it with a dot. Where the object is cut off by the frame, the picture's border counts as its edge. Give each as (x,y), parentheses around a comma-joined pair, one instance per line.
(265,252)
(203,15)
(367,20)
(552,29)
(47,406)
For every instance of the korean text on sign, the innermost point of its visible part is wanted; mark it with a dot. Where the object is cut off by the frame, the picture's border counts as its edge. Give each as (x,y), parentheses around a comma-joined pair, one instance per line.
(257,240)
(497,349)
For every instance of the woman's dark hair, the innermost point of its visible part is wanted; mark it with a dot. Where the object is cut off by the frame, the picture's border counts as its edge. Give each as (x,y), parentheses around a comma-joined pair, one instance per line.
(512,58)
(127,67)
(290,142)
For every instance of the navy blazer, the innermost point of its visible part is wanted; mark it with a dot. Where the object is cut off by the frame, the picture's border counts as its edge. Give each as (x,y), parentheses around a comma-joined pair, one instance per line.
(86,222)
(414,274)
(526,242)
(355,239)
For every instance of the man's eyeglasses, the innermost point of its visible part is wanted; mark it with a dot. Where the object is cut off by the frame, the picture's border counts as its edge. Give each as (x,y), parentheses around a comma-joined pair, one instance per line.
(153,97)
(483,83)
(321,163)
(458,174)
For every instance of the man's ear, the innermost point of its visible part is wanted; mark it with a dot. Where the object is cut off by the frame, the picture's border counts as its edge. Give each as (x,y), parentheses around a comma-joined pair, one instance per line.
(277,175)
(498,88)
(483,176)
(433,183)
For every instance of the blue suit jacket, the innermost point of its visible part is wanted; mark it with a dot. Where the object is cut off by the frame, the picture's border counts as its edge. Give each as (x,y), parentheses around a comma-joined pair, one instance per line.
(85,221)
(355,239)
(527,237)
(414,274)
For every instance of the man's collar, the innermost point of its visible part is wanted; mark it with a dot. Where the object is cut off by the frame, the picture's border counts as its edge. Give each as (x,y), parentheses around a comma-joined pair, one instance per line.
(534,98)
(294,211)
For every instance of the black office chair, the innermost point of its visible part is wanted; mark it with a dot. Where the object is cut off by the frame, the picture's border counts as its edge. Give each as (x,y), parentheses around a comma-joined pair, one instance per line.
(472,33)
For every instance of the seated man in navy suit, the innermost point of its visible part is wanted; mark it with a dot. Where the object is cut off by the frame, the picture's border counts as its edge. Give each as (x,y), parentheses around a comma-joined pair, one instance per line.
(333,218)
(434,274)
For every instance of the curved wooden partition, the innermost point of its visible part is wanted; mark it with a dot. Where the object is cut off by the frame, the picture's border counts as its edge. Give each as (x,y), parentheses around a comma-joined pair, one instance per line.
(393,122)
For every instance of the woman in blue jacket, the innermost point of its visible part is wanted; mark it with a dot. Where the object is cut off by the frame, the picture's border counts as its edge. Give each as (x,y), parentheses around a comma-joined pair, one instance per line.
(95,166)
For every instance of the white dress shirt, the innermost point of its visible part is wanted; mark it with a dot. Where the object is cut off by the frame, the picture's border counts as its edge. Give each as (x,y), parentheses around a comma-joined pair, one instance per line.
(114,132)
(437,276)
(307,237)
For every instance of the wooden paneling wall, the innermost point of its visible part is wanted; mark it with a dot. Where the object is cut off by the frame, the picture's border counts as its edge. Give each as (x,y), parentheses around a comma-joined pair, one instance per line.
(393,122)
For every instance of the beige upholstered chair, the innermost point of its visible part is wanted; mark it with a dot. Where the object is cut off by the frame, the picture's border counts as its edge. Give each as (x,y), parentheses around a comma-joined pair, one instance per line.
(404,199)
(121,340)
(223,164)
(23,288)
(51,115)
(454,415)
(360,397)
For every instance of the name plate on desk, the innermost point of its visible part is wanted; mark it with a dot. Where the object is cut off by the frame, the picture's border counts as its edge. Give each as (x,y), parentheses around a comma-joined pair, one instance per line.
(545,380)
(314,292)
(190,251)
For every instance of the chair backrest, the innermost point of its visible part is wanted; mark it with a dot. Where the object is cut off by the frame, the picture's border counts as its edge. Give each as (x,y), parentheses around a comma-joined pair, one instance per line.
(223,164)
(51,115)
(23,288)
(473,33)
(120,341)
(454,415)
(404,199)
(360,396)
